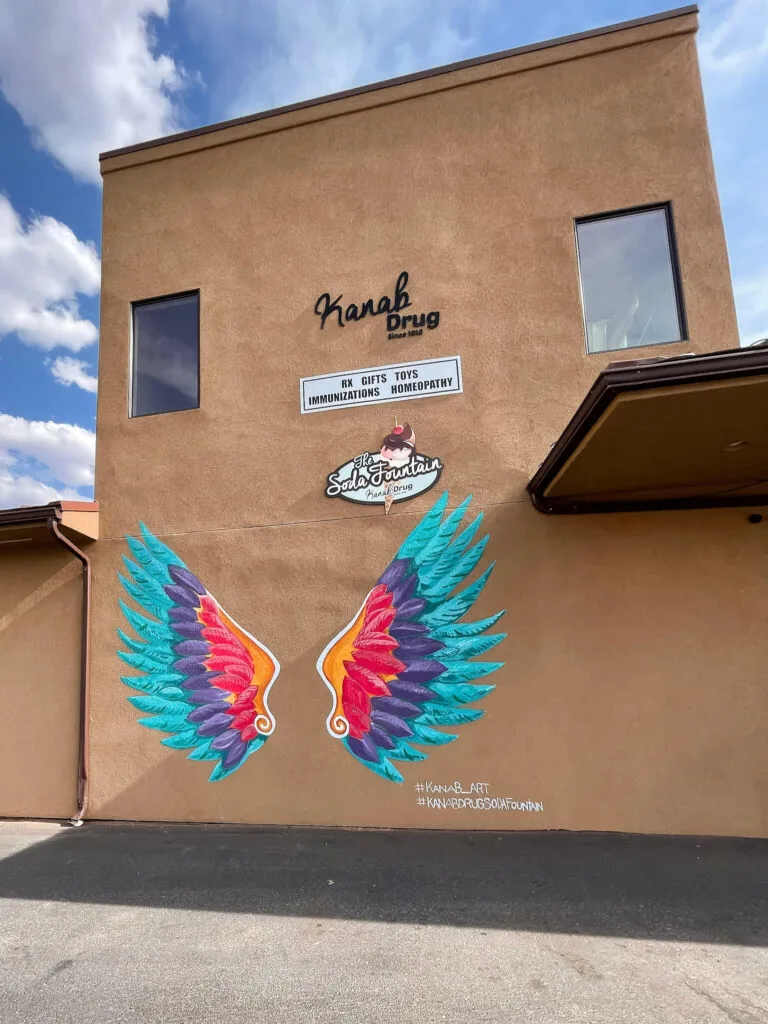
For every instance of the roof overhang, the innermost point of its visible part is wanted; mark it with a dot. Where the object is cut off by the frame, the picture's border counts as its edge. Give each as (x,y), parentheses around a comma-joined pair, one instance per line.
(26,522)
(682,432)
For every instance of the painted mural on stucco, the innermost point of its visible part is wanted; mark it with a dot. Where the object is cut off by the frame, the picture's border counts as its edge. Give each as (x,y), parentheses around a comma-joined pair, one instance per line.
(204,679)
(403,667)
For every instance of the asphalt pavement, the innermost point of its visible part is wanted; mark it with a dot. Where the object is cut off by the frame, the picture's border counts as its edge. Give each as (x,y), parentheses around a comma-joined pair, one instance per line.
(179,924)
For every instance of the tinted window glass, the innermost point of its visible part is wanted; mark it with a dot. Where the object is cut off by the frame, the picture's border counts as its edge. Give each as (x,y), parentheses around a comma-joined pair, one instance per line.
(628,280)
(165,355)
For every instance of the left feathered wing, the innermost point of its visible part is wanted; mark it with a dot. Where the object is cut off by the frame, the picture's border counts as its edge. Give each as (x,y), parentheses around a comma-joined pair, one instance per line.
(205,680)
(404,663)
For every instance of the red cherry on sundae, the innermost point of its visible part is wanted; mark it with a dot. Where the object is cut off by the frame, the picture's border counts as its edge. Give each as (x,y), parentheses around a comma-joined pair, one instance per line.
(397,430)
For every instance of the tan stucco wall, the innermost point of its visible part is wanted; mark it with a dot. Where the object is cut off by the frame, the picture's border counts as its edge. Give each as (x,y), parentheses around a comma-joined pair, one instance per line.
(631,696)
(40,619)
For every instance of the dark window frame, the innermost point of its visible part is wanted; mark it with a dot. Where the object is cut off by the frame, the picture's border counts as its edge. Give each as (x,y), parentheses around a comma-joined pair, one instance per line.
(674,259)
(137,304)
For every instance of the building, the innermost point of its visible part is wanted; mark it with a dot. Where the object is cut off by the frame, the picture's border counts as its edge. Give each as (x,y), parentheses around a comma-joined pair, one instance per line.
(492,241)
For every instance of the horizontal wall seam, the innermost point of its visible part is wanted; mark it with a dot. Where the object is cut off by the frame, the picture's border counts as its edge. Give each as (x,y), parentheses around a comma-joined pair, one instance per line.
(314,522)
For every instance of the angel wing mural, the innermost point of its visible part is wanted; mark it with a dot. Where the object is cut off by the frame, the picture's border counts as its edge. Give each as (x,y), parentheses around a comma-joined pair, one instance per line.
(205,680)
(404,664)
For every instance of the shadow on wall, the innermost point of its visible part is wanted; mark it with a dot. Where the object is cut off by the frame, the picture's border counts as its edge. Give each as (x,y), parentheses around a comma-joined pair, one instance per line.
(681,889)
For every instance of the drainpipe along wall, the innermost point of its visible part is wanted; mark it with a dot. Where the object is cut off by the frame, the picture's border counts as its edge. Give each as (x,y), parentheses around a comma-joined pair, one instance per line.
(85,659)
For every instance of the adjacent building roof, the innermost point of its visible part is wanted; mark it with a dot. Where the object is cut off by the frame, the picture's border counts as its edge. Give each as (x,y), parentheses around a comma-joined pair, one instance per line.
(82,517)
(682,432)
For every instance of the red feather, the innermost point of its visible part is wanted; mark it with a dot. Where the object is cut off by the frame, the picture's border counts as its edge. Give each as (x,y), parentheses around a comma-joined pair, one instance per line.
(375,642)
(379,620)
(383,663)
(369,681)
(353,695)
(359,722)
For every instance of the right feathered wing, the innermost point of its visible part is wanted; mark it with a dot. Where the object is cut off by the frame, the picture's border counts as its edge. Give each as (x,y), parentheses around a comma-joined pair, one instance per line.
(405,663)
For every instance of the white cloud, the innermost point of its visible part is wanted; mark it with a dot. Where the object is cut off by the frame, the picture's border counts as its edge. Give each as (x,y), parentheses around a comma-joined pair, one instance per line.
(43,267)
(69,371)
(84,76)
(283,52)
(61,454)
(24,490)
(734,38)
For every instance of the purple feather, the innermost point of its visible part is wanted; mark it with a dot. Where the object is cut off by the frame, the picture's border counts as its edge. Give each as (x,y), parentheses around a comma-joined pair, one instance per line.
(215,725)
(189,666)
(183,614)
(226,739)
(394,572)
(205,695)
(364,748)
(186,579)
(395,706)
(410,691)
(380,738)
(181,595)
(410,608)
(235,753)
(391,723)
(192,630)
(404,590)
(189,648)
(421,672)
(402,631)
(203,679)
(204,713)
(417,647)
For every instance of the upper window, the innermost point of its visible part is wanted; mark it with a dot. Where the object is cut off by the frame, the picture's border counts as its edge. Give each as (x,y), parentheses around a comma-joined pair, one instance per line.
(166,355)
(629,279)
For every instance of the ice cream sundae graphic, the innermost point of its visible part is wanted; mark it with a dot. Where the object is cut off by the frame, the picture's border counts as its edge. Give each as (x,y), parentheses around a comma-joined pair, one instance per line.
(396,450)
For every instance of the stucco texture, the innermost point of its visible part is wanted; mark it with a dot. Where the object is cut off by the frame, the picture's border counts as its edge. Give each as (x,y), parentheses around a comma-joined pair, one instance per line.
(631,696)
(40,617)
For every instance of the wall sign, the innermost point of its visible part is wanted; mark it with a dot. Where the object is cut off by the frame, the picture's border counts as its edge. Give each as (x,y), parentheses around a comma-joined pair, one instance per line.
(399,324)
(376,384)
(396,472)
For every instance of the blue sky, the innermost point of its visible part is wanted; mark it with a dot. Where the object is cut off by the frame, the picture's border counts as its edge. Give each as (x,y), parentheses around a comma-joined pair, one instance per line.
(78,77)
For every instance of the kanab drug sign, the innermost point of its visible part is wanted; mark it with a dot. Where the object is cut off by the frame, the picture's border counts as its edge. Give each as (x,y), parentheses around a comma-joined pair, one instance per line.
(376,384)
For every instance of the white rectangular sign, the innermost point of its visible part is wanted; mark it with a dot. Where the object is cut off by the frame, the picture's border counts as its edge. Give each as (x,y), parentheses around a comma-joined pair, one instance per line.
(397,383)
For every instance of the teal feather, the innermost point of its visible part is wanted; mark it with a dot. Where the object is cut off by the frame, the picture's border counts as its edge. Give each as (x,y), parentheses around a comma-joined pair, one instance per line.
(426,529)
(157,570)
(464,671)
(203,753)
(144,600)
(462,629)
(156,705)
(182,740)
(154,679)
(436,714)
(146,662)
(135,645)
(457,606)
(457,649)
(405,752)
(148,584)
(441,539)
(148,629)
(167,722)
(172,693)
(460,693)
(440,582)
(457,548)
(423,734)
(160,551)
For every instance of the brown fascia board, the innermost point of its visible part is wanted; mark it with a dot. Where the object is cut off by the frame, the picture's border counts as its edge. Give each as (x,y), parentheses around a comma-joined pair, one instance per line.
(27,515)
(641,375)
(418,76)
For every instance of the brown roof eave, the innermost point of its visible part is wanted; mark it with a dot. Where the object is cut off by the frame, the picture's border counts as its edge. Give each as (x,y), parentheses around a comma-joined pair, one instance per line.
(639,375)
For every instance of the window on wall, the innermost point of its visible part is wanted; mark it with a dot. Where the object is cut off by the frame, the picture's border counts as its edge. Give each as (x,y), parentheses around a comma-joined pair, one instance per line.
(166,355)
(630,283)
